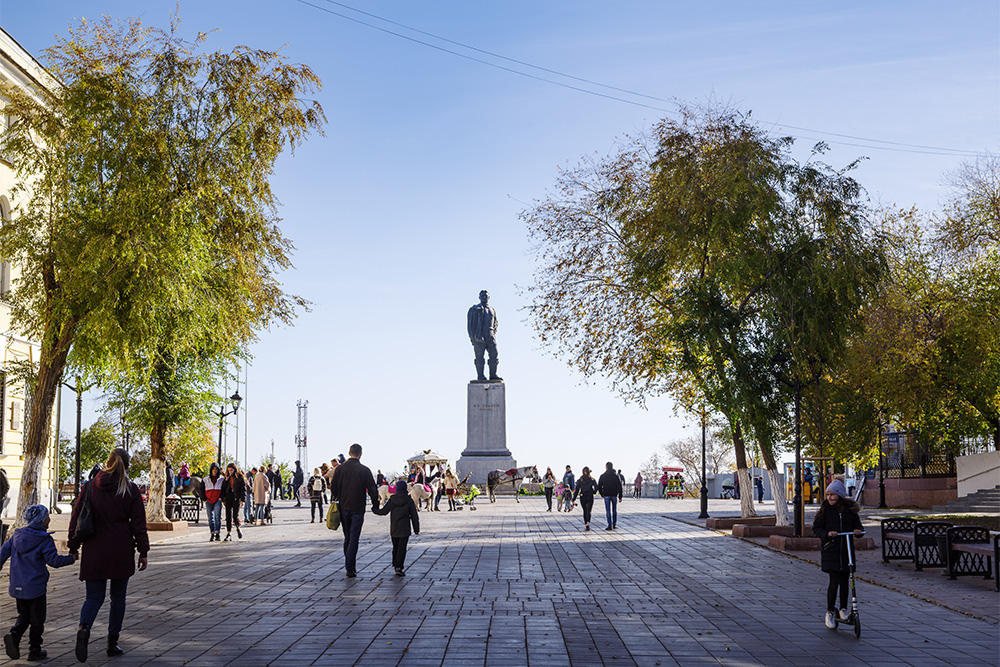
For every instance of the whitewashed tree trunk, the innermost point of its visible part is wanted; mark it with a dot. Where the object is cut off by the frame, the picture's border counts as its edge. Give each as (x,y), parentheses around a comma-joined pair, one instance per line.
(780,502)
(155,510)
(747,509)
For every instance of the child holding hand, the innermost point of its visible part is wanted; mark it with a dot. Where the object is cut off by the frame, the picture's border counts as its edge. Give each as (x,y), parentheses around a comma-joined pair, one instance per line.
(30,549)
(402,512)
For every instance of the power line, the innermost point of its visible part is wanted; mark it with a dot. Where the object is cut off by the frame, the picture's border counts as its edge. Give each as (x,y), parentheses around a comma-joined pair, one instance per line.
(886,145)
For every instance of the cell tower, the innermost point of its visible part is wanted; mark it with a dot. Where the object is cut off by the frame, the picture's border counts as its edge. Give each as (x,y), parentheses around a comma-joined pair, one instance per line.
(302,454)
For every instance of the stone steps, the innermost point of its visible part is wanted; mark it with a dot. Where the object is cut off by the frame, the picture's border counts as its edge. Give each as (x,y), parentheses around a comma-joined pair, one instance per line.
(987,500)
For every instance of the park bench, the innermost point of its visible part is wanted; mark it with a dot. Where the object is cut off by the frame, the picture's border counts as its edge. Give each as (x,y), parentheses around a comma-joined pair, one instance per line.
(917,541)
(967,550)
(185,509)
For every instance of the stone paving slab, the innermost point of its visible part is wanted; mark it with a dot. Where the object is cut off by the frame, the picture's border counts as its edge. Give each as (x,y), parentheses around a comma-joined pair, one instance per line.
(507,584)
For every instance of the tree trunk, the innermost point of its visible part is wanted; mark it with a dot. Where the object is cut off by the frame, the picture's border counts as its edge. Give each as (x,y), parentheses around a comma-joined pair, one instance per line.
(746,488)
(777,487)
(52,361)
(157,475)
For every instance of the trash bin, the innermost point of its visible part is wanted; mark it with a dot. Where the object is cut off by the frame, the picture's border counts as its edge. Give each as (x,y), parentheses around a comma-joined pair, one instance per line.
(172,507)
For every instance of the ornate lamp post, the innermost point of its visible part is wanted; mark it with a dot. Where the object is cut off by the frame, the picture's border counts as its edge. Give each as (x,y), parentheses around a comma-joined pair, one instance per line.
(79,389)
(235,399)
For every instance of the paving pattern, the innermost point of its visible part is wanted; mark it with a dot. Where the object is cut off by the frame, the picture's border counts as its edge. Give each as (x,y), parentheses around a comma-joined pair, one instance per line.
(506,585)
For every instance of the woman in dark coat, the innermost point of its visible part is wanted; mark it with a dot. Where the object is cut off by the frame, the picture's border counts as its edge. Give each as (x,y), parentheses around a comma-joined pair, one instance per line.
(837,514)
(586,487)
(402,512)
(234,491)
(110,554)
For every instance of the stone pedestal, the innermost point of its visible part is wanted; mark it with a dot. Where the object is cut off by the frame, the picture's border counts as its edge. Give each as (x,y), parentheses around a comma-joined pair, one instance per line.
(486,433)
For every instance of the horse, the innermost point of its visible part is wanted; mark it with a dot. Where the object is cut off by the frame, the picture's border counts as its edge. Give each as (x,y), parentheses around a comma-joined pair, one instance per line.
(497,477)
(420,492)
(194,488)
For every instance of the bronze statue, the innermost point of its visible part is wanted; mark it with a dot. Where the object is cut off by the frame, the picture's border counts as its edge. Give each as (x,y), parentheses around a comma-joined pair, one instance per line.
(483,334)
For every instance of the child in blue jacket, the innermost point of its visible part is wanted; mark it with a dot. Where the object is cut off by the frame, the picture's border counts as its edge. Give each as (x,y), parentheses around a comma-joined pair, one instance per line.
(30,549)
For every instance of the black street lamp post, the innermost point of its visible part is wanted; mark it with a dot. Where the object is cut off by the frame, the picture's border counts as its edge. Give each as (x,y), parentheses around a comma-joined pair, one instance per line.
(79,389)
(236,399)
(704,481)
(797,500)
(881,472)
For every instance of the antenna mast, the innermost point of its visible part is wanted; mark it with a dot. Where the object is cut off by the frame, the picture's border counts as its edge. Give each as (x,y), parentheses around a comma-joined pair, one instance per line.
(302,453)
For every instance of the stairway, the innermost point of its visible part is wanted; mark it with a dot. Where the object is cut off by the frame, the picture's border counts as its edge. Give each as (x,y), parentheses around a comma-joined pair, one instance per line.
(984,501)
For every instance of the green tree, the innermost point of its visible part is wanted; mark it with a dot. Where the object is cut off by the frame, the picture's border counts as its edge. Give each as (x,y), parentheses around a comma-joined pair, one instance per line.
(689,261)
(146,222)
(96,443)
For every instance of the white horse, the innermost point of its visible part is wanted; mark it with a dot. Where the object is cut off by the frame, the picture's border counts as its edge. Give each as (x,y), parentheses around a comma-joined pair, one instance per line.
(419,493)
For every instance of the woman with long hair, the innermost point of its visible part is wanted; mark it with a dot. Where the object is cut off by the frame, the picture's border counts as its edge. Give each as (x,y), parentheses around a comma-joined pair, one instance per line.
(109,555)
(450,488)
(586,487)
(234,491)
(212,487)
(549,484)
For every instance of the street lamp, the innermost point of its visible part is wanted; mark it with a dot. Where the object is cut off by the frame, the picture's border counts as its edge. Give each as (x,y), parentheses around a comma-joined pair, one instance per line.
(704,483)
(235,399)
(881,471)
(79,389)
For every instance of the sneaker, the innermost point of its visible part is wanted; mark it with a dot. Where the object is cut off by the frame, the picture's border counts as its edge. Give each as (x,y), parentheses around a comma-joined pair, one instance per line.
(830,621)
(351,575)
(586,526)
(609,528)
(845,614)
(239,533)
(11,644)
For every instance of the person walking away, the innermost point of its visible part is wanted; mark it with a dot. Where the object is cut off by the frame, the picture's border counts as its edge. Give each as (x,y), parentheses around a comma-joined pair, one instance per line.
(621,478)
(450,487)
(760,489)
(234,490)
(549,485)
(402,512)
(170,478)
(212,492)
(350,485)
(317,489)
(298,477)
(261,494)
(248,501)
(638,486)
(837,514)
(110,554)
(30,550)
(586,487)
(610,488)
(278,486)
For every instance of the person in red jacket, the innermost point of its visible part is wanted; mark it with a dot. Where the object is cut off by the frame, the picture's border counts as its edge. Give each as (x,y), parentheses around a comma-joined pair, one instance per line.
(110,554)
(212,487)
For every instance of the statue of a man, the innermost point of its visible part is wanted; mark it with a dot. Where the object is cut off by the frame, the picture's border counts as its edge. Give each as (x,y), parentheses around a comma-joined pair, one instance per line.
(483,334)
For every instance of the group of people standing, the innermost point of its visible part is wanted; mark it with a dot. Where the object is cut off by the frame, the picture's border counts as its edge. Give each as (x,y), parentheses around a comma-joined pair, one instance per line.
(609,486)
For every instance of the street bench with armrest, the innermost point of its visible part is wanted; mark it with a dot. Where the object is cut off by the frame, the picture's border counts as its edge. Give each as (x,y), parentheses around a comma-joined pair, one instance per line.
(967,550)
(916,541)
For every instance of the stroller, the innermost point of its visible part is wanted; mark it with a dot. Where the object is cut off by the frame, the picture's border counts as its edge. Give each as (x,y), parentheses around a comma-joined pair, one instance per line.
(267,513)
(470,497)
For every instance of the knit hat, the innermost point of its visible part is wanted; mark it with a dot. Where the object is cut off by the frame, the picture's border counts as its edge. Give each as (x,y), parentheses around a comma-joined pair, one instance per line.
(836,486)
(400,486)
(35,515)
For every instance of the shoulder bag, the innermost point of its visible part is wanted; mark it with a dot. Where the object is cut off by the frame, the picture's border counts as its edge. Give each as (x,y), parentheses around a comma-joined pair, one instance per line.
(85,528)
(333,516)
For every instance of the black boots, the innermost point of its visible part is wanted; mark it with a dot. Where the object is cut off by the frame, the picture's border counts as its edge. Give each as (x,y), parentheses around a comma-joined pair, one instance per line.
(11,644)
(82,640)
(113,647)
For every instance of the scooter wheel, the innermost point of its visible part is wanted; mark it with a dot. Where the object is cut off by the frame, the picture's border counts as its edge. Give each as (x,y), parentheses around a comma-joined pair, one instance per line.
(857,625)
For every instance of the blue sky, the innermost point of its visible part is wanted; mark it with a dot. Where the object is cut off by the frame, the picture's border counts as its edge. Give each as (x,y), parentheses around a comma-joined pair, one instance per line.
(408,207)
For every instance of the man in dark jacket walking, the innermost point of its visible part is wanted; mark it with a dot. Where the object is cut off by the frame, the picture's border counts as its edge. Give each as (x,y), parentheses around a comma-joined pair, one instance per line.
(610,488)
(349,487)
(298,477)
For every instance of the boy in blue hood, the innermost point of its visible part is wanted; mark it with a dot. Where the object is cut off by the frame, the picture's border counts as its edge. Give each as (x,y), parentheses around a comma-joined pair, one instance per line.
(30,549)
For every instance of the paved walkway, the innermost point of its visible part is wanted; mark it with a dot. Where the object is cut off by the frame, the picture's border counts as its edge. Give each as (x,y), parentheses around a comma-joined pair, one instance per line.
(505,585)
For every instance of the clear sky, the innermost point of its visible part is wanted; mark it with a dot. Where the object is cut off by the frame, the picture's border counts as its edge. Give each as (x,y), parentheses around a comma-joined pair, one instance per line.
(408,207)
